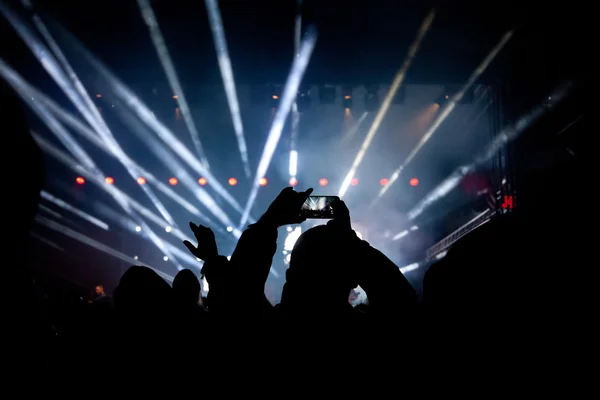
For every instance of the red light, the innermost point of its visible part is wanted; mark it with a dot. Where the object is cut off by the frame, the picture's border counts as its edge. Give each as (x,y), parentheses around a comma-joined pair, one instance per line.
(293,181)
(232,181)
(323,182)
(413,182)
(262,181)
(202,181)
(80,180)
(173,181)
(508,202)
(109,180)
(354,182)
(99,96)
(141,180)
(383,182)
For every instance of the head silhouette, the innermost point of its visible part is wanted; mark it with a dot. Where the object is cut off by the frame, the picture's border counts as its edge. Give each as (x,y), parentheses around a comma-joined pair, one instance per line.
(322,267)
(186,287)
(141,297)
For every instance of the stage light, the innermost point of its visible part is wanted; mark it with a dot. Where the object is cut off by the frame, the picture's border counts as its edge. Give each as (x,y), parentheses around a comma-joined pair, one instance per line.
(229,229)
(275,97)
(135,257)
(80,180)
(166,258)
(168,229)
(293,181)
(232,181)
(354,182)
(173,181)
(202,181)
(175,96)
(141,180)
(289,229)
(347,100)
(98,96)
(383,182)
(109,180)
(323,182)
(138,228)
(262,181)
(413,182)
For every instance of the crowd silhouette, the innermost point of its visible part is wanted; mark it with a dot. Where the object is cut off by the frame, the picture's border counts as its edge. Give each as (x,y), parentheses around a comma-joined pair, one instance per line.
(151,326)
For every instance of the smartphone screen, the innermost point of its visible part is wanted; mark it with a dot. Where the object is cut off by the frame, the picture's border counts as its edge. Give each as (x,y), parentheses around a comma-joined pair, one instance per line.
(318,207)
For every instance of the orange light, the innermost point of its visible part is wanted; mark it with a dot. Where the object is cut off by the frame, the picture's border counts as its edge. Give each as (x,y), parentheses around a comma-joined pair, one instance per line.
(413,182)
(262,181)
(383,182)
(173,181)
(99,96)
(80,180)
(275,97)
(175,96)
(293,181)
(354,182)
(232,181)
(202,181)
(109,180)
(347,97)
(323,182)
(141,180)
(447,97)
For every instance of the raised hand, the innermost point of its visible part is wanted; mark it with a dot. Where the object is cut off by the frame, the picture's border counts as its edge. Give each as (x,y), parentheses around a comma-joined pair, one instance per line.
(207,245)
(341,216)
(285,209)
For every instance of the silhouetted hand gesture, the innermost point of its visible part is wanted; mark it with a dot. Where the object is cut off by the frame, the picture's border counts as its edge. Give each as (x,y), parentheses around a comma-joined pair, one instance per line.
(285,209)
(207,245)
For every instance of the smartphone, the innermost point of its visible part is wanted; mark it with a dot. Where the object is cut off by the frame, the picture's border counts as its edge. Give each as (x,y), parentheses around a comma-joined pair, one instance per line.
(318,207)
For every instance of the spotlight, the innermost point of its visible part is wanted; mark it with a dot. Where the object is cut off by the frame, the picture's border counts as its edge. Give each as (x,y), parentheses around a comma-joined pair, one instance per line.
(323,182)
(293,181)
(229,229)
(173,181)
(347,99)
(80,180)
(275,96)
(383,182)
(372,98)
(141,180)
(135,258)
(354,182)
(168,229)
(166,258)
(175,96)
(413,182)
(262,181)
(232,181)
(289,229)
(202,181)
(138,228)
(109,180)
(327,94)
(98,96)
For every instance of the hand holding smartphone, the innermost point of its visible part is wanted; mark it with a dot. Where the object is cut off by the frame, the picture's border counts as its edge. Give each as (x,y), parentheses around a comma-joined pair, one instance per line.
(318,207)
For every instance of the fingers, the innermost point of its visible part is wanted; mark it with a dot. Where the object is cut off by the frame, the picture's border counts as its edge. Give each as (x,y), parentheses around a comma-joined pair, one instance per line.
(190,247)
